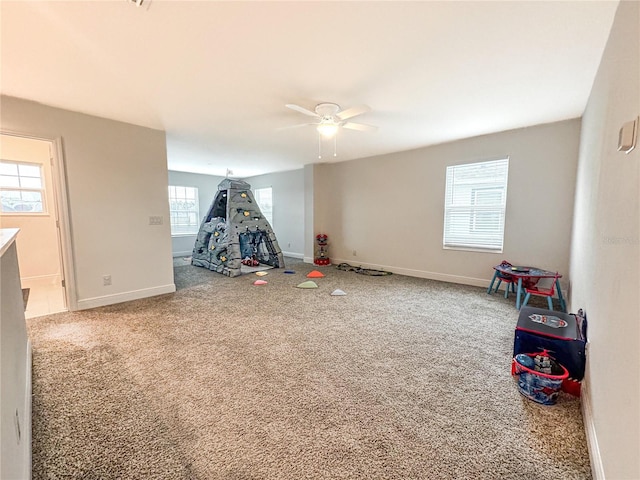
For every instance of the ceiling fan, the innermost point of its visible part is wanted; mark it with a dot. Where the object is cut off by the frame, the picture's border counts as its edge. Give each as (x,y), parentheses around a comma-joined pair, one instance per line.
(331,118)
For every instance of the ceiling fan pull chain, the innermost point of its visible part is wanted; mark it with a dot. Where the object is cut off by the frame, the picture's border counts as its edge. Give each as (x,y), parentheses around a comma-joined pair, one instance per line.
(335,145)
(319,145)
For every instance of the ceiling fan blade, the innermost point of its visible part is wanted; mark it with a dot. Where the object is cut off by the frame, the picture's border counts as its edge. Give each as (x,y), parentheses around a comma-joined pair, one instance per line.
(359,126)
(300,109)
(352,112)
(289,127)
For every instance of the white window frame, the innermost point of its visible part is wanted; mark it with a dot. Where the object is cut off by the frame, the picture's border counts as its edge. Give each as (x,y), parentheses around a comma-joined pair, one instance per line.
(20,188)
(469,224)
(260,195)
(183,204)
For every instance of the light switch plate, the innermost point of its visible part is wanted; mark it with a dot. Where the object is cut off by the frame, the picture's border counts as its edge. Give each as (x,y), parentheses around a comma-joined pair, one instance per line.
(628,136)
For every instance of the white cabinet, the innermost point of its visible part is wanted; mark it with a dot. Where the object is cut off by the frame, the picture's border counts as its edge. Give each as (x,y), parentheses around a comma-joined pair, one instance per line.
(15,366)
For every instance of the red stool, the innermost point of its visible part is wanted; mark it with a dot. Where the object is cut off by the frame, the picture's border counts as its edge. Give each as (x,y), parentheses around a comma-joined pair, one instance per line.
(508,280)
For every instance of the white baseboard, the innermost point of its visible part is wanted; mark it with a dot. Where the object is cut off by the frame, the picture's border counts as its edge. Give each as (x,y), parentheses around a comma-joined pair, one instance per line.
(307,259)
(293,255)
(40,280)
(443,277)
(186,253)
(26,439)
(125,296)
(597,470)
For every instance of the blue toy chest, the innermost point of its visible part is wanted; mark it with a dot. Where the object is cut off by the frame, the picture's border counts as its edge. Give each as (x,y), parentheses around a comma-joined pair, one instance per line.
(562,335)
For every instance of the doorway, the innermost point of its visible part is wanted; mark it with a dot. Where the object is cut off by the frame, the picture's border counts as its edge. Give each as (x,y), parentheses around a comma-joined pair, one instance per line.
(29,202)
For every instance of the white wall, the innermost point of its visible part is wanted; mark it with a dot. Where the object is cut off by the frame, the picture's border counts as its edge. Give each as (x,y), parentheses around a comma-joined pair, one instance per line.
(182,245)
(605,258)
(288,208)
(116,179)
(390,208)
(309,212)
(38,249)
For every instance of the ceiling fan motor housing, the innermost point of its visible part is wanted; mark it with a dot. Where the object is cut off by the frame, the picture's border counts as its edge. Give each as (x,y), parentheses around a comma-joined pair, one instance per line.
(327,110)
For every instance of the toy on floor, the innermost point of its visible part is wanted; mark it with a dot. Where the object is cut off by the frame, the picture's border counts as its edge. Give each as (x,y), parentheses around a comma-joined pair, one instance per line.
(234,233)
(322,250)
(308,284)
(315,274)
(250,262)
(364,271)
(337,293)
(564,334)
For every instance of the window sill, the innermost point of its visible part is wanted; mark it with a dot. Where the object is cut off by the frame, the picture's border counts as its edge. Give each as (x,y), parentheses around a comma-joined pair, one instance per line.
(25,214)
(472,249)
(184,234)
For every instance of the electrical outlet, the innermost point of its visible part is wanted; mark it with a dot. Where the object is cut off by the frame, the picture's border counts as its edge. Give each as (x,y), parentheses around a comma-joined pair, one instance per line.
(106,280)
(353,253)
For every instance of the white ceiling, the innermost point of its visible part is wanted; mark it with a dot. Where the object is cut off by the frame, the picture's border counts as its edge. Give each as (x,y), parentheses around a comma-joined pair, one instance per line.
(216,75)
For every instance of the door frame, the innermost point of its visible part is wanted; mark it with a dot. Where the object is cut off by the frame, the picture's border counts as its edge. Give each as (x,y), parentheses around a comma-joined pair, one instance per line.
(62,216)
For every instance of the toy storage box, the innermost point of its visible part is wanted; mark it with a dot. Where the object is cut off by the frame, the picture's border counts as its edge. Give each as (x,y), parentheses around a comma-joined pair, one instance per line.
(562,335)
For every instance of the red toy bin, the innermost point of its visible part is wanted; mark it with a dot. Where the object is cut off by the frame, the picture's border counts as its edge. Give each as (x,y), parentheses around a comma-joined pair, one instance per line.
(536,384)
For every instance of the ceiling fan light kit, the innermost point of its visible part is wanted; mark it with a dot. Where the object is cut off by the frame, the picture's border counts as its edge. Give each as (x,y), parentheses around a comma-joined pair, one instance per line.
(327,129)
(331,119)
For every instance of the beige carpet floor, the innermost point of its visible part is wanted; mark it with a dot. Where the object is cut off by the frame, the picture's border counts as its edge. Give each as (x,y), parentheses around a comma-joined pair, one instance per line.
(402,378)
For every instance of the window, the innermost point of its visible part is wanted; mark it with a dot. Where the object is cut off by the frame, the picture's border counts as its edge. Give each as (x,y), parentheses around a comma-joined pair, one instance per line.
(475,204)
(264,200)
(21,188)
(184,210)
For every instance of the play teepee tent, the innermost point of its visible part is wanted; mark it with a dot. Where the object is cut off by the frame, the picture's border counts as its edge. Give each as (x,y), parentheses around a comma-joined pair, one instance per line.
(234,232)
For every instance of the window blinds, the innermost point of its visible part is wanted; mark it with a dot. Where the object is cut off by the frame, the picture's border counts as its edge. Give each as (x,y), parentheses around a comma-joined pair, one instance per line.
(475,204)
(184,209)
